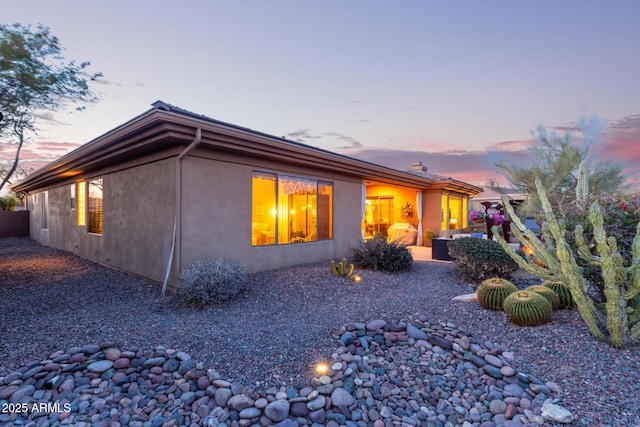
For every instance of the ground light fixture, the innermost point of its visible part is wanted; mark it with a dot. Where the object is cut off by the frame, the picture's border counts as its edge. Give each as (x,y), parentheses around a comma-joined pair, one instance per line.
(321,368)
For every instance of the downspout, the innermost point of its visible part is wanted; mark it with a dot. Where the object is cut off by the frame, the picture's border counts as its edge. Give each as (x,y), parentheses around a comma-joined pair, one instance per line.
(178,208)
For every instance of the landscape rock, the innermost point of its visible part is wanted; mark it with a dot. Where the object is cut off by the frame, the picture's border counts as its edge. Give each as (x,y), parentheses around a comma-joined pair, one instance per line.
(408,372)
(556,413)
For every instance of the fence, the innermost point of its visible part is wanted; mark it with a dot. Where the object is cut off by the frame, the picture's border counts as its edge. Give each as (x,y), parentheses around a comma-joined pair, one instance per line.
(14,223)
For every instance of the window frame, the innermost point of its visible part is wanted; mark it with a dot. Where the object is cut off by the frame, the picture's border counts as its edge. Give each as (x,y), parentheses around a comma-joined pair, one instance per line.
(318,184)
(93,228)
(44,210)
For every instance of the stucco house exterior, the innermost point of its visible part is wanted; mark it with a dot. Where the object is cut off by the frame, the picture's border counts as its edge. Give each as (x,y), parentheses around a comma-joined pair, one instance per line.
(171,187)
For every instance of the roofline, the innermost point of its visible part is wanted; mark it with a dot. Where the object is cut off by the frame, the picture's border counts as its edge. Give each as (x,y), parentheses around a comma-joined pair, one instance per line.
(165,125)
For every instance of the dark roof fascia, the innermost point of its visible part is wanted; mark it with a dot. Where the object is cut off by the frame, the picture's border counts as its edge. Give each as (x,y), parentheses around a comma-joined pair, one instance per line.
(177,126)
(332,161)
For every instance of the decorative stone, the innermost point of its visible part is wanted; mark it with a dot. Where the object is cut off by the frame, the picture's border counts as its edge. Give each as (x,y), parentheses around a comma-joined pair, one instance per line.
(316,403)
(539,388)
(277,410)
(122,363)
(466,297)
(556,413)
(318,417)
(100,366)
(250,412)
(415,333)
(222,396)
(239,402)
(497,407)
(494,360)
(299,409)
(112,354)
(376,324)
(341,397)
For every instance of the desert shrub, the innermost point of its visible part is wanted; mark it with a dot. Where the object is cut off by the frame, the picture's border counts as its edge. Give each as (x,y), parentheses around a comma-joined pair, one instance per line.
(480,259)
(380,255)
(211,281)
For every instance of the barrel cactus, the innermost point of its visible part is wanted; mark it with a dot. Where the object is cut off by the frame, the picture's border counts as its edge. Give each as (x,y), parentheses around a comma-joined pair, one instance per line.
(548,293)
(492,292)
(526,308)
(563,292)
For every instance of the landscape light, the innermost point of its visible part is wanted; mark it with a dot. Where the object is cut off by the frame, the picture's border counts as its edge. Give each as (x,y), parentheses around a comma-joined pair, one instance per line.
(322,368)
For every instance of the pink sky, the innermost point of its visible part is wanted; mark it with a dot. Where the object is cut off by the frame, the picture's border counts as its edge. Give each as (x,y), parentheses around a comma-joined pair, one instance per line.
(472,166)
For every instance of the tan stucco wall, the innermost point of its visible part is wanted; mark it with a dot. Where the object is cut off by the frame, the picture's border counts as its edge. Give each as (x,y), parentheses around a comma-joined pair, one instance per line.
(138,217)
(432,211)
(216,216)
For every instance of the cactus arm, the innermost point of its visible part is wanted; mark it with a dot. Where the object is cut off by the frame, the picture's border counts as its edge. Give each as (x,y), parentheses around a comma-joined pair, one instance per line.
(570,272)
(350,270)
(615,305)
(583,248)
(528,239)
(634,269)
(334,270)
(634,332)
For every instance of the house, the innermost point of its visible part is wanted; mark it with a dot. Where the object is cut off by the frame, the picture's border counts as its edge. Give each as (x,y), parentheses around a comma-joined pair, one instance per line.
(171,187)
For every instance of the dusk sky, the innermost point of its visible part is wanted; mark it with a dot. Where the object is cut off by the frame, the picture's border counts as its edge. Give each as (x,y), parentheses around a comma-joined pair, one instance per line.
(457,85)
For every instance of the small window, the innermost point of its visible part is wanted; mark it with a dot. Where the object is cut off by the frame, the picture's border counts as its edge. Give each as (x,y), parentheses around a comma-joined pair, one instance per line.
(82,203)
(95,206)
(73,196)
(44,202)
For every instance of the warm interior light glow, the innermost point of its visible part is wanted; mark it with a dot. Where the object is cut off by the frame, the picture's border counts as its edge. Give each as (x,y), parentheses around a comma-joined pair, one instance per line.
(322,368)
(82,203)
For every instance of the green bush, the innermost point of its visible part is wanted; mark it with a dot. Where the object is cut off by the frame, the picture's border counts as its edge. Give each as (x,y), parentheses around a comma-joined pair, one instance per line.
(8,203)
(480,259)
(211,281)
(380,255)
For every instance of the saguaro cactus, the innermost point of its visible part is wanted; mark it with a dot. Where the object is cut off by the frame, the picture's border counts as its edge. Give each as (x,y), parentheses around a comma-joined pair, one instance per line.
(622,284)
(582,186)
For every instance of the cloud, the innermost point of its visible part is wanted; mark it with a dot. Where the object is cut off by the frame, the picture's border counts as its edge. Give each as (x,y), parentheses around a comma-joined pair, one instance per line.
(302,135)
(474,167)
(517,145)
(37,154)
(353,143)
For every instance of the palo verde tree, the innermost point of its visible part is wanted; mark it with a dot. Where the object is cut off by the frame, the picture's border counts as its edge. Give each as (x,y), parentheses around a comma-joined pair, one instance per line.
(556,162)
(34,78)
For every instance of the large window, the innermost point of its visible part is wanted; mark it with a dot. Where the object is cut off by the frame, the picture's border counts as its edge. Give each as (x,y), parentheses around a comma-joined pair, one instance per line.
(454,212)
(95,206)
(290,209)
(378,215)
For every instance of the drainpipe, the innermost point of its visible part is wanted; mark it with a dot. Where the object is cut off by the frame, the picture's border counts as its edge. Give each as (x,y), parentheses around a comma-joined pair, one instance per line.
(178,208)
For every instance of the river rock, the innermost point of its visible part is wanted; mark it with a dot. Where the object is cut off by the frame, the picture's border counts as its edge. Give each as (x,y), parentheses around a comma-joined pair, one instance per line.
(556,413)
(341,397)
(278,410)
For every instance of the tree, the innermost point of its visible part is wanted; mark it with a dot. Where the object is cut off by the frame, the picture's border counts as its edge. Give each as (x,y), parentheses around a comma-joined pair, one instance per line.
(34,78)
(556,162)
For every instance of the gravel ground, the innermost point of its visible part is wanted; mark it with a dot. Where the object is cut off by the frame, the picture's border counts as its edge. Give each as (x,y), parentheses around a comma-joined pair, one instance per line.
(285,320)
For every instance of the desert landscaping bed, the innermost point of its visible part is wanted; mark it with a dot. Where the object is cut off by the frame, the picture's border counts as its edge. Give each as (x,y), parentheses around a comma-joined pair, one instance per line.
(289,319)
